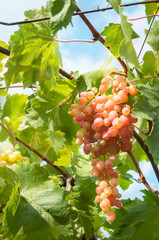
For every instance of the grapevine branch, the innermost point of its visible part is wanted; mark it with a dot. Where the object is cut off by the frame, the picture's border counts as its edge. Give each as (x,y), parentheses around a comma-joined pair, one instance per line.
(145,148)
(142,177)
(78,13)
(97,36)
(36,152)
(61,71)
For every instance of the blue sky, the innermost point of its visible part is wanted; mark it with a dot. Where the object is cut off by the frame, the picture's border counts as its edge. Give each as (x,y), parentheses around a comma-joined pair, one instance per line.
(83,56)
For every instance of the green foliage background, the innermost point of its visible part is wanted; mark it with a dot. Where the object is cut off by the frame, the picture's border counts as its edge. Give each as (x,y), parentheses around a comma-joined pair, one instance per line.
(35,201)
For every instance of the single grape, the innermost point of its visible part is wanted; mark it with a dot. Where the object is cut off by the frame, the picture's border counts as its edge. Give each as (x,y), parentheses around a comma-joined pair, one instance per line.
(113,114)
(113,182)
(103,184)
(82,100)
(100,165)
(98,122)
(110,216)
(132,90)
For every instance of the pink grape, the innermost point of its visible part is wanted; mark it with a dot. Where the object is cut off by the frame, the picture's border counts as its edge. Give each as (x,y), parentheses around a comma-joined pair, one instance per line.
(113,182)
(80,134)
(101,99)
(95,172)
(82,100)
(117,99)
(112,131)
(109,105)
(112,200)
(117,108)
(105,81)
(97,199)
(98,122)
(99,190)
(86,126)
(103,184)
(125,120)
(105,203)
(125,111)
(79,141)
(94,161)
(100,165)
(115,83)
(103,88)
(90,95)
(87,110)
(113,114)
(132,90)
(118,203)
(110,216)
(122,85)
(117,123)
(108,164)
(75,105)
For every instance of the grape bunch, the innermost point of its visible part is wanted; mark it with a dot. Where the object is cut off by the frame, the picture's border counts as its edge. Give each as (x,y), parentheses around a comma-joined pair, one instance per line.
(107,127)
(10,157)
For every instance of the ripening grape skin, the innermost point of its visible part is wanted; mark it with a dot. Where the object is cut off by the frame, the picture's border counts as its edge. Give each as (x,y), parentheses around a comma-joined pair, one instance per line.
(82,100)
(110,216)
(117,123)
(103,184)
(100,165)
(101,99)
(99,190)
(80,134)
(132,90)
(113,182)
(79,141)
(97,199)
(108,164)
(113,114)
(125,111)
(118,203)
(117,108)
(125,120)
(112,200)
(117,99)
(109,105)
(98,122)
(75,105)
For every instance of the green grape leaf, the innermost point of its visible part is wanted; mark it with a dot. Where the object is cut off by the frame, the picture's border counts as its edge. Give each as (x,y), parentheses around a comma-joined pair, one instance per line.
(137,219)
(115,4)
(124,183)
(33,54)
(114,37)
(153,37)
(9,176)
(42,203)
(64,158)
(147,106)
(92,79)
(148,67)
(14,109)
(81,166)
(61,13)
(128,53)
(57,139)
(150,9)
(2,56)
(46,113)
(157,63)
(116,33)
(126,28)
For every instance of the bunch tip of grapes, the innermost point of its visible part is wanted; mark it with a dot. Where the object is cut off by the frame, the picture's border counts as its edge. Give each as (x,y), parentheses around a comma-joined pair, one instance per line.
(10,157)
(107,127)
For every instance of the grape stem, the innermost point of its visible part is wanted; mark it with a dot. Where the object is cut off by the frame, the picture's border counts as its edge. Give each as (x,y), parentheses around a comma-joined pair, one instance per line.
(98,37)
(116,72)
(36,152)
(149,155)
(137,79)
(142,177)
